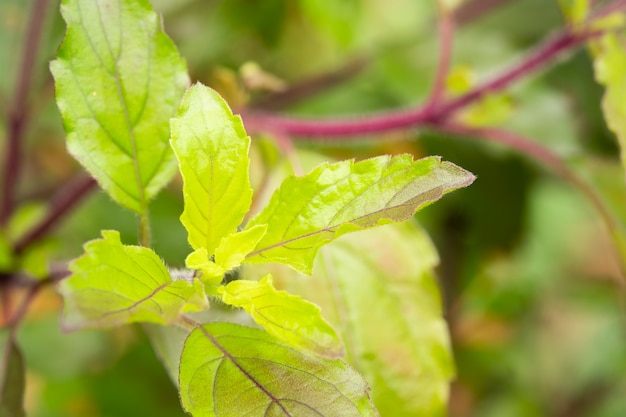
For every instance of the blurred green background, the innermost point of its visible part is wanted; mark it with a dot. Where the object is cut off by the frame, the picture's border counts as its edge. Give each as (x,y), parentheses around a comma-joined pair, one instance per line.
(531,284)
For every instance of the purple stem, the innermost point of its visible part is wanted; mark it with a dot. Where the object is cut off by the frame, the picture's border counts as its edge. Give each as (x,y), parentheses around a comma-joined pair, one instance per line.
(339,129)
(18,115)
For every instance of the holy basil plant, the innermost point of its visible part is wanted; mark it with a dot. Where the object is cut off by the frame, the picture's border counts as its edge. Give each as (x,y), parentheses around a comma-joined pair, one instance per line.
(117,77)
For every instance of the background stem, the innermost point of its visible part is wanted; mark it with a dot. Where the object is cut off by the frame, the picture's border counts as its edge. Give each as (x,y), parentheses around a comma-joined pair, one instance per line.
(18,114)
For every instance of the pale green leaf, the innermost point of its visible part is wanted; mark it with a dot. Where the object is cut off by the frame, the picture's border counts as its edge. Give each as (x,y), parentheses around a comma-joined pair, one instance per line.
(229,254)
(285,316)
(378,289)
(113,284)
(200,260)
(233,249)
(12,377)
(119,79)
(229,370)
(310,211)
(35,259)
(212,150)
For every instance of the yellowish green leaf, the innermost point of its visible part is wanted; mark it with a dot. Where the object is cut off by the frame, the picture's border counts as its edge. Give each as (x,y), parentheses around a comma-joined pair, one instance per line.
(285,316)
(212,150)
(113,284)
(310,211)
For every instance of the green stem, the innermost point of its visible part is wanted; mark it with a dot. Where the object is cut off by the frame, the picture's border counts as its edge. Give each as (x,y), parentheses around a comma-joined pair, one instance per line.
(145,232)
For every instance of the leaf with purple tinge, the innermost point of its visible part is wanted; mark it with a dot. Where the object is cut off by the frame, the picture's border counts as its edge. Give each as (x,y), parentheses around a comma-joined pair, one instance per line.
(229,370)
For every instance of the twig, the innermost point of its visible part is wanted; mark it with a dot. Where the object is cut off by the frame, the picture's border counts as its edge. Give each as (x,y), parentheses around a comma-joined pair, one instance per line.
(64,201)
(18,115)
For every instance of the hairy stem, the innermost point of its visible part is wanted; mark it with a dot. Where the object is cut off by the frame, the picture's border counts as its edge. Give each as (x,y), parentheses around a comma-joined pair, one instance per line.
(145,232)
(18,115)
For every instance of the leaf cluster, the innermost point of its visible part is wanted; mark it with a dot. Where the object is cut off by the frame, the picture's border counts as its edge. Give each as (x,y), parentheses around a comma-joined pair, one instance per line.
(118,80)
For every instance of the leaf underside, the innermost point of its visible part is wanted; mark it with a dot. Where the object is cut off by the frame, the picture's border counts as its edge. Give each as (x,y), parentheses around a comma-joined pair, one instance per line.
(333,199)
(229,370)
(119,79)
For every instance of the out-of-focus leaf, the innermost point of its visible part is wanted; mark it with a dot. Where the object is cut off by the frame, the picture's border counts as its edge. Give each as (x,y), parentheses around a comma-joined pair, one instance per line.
(119,79)
(113,284)
(12,377)
(610,67)
(285,316)
(337,17)
(36,259)
(310,211)
(25,217)
(491,110)
(6,254)
(212,150)
(230,370)
(378,289)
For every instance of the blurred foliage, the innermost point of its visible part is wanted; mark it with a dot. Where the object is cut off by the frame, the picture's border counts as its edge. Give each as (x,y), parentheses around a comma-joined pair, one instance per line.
(531,282)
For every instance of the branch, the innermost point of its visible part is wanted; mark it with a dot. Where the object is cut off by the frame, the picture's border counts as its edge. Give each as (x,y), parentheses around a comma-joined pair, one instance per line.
(343,129)
(18,115)
(62,203)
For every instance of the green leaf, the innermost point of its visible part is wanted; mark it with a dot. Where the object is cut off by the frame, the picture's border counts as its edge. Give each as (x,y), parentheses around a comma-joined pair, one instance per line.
(230,370)
(333,199)
(610,67)
(287,317)
(230,253)
(113,284)
(212,150)
(119,79)
(378,289)
(12,377)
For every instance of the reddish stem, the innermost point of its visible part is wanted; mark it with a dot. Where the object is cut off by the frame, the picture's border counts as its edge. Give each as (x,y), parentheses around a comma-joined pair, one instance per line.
(342,129)
(18,115)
